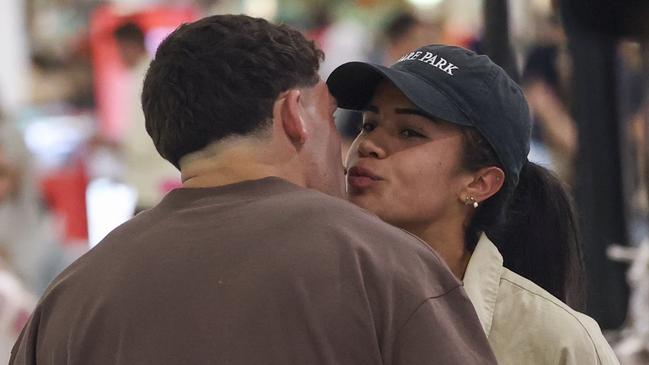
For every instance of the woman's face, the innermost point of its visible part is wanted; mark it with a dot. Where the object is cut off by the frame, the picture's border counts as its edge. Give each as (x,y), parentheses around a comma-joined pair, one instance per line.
(405,167)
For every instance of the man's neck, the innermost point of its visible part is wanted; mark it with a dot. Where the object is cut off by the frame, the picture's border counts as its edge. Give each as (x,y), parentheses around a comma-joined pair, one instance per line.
(217,166)
(225,175)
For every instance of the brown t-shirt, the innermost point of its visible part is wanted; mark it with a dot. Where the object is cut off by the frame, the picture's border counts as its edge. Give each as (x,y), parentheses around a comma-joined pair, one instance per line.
(259,272)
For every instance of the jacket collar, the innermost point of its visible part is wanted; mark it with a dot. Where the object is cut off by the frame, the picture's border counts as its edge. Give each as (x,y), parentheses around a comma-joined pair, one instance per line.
(482,280)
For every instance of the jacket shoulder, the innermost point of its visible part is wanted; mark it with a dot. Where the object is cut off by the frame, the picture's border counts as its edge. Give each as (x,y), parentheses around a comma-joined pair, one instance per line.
(551,328)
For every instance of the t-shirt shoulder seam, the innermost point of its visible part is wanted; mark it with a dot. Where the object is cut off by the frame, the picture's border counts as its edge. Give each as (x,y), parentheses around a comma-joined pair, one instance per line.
(592,342)
(412,314)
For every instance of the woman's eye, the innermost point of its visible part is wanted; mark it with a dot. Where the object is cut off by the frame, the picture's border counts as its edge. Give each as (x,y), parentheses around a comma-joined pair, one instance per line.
(410,133)
(368,127)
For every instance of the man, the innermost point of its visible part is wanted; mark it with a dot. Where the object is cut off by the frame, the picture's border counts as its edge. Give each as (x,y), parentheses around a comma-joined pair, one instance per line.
(246,264)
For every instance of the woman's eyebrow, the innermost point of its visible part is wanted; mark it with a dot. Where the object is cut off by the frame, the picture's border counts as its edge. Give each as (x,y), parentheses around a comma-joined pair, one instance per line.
(411,111)
(371,108)
(418,112)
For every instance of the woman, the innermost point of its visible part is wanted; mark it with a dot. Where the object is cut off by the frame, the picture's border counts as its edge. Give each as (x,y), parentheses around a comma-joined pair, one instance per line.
(443,154)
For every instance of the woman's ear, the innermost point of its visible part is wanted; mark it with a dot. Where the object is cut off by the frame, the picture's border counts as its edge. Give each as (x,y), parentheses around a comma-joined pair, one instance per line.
(487,181)
(292,122)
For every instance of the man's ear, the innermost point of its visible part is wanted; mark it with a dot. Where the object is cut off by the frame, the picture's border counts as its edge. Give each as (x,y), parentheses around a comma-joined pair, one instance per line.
(486,183)
(292,121)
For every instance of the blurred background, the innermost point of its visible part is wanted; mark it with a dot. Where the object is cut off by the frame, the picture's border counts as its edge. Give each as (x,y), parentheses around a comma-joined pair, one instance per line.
(75,160)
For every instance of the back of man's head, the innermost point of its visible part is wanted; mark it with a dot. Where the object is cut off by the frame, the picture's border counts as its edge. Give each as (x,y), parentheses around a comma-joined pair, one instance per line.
(220,77)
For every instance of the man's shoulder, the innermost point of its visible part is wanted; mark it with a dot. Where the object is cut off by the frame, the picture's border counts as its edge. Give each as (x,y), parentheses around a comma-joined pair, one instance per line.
(337,216)
(326,210)
(337,226)
(315,201)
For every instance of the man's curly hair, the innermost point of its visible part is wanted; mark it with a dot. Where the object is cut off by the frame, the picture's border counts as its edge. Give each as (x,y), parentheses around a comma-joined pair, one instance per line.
(220,76)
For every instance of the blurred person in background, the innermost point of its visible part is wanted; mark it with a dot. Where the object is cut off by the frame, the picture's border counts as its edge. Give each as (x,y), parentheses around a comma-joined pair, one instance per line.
(546,80)
(342,38)
(24,234)
(443,155)
(256,259)
(633,106)
(405,32)
(633,344)
(144,170)
(29,238)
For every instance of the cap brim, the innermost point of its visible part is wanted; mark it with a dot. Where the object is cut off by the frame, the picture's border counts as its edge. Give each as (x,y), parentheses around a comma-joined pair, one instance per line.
(353,85)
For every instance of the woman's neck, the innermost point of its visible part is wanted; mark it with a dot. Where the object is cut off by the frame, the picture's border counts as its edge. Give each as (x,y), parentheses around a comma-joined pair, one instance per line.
(448,243)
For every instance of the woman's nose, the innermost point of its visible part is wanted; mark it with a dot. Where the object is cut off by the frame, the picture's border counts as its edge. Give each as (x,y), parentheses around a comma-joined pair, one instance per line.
(368,147)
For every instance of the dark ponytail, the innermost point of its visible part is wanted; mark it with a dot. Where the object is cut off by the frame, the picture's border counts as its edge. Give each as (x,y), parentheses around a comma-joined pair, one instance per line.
(533,224)
(539,238)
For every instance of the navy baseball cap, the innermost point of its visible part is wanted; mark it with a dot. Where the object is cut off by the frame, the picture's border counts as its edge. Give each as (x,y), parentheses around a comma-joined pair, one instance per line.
(453,84)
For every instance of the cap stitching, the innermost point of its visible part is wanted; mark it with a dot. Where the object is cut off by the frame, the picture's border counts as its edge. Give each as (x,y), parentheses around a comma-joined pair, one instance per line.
(443,92)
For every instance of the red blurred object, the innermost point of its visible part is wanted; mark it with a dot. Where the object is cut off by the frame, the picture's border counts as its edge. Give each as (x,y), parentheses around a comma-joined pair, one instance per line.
(170,185)
(107,67)
(65,194)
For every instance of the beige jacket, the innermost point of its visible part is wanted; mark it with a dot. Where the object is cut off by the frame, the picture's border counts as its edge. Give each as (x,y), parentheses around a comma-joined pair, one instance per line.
(525,324)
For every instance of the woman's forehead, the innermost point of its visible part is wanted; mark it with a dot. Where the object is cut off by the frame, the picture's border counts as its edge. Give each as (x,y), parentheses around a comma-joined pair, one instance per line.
(386,90)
